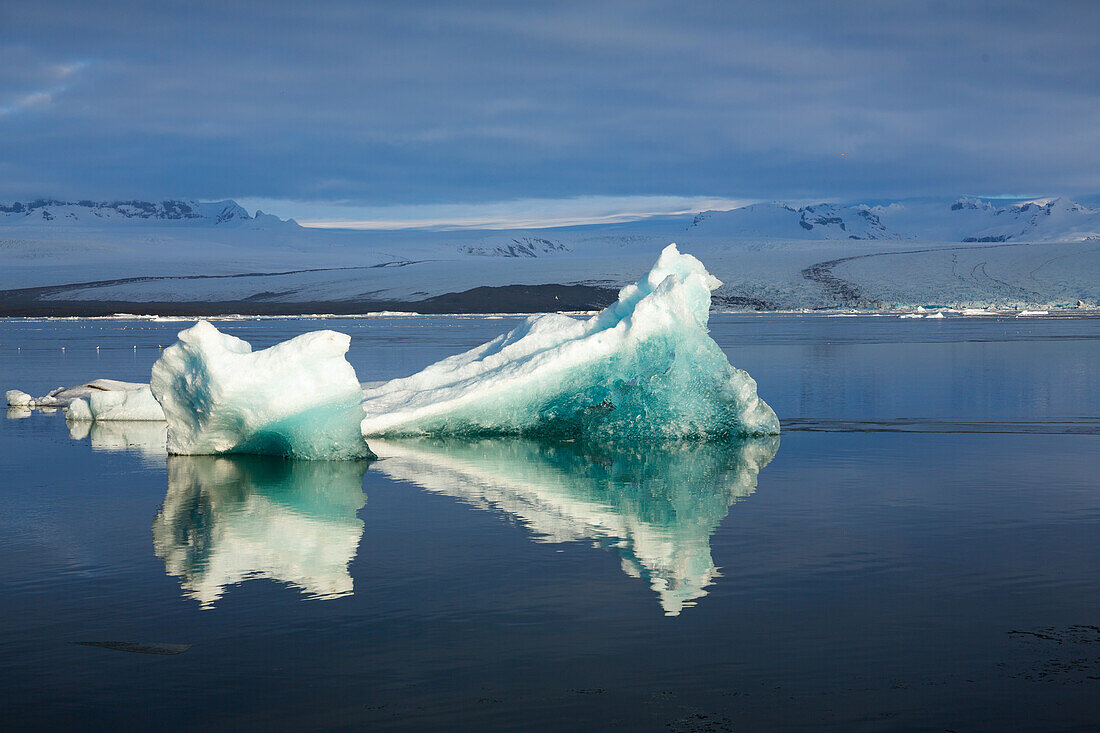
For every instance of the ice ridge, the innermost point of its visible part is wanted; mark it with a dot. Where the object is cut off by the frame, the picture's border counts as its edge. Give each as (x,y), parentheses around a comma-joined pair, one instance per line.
(645,367)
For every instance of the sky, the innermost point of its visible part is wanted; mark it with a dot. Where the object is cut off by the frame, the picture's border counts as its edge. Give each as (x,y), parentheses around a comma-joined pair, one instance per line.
(412,112)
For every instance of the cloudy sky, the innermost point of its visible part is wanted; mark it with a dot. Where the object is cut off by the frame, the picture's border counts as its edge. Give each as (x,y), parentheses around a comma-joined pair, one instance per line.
(431,111)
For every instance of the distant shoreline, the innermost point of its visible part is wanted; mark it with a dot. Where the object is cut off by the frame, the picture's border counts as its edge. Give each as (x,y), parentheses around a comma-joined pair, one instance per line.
(480,300)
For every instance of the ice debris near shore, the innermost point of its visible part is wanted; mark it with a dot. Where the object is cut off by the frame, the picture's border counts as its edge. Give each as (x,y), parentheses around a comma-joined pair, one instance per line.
(297,399)
(645,367)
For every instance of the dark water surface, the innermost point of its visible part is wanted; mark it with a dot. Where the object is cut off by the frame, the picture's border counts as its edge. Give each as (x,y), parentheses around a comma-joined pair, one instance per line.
(919,551)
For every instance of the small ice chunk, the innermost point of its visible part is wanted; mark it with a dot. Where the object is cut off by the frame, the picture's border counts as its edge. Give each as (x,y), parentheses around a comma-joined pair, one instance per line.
(643,367)
(128,404)
(63,396)
(78,411)
(937,314)
(121,404)
(298,399)
(17,398)
(1026,313)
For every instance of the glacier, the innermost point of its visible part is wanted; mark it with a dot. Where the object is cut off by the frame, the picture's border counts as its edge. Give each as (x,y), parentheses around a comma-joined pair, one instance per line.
(1033,254)
(644,367)
(297,399)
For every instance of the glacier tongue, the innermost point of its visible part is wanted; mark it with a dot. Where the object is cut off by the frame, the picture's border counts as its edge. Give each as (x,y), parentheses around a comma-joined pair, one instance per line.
(297,399)
(645,367)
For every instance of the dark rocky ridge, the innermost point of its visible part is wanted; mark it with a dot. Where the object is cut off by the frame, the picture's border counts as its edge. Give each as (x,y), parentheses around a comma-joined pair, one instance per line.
(501,299)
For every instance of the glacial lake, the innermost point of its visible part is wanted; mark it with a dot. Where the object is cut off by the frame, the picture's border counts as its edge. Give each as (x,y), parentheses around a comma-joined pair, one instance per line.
(919,550)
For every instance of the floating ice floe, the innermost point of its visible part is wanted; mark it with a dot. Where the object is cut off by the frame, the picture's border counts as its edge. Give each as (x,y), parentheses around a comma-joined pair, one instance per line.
(643,367)
(121,404)
(655,505)
(298,399)
(64,396)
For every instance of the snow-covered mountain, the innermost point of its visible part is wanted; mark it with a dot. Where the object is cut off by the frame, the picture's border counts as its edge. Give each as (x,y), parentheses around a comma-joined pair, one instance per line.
(963,220)
(777,219)
(214,257)
(54,213)
(1052,220)
(515,246)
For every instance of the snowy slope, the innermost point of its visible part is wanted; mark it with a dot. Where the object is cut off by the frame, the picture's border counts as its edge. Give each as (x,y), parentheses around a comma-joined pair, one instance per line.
(1056,220)
(55,213)
(963,220)
(777,219)
(770,256)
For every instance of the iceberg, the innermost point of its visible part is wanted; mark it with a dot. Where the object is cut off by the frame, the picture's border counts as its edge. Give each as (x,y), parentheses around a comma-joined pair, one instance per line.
(645,367)
(227,519)
(297,399)
(18,398)
(654,505)
(133,404)
(65,396)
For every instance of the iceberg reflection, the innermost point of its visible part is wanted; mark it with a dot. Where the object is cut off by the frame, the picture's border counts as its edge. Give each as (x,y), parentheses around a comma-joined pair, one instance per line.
(655,505)
(226,519)
(144,437)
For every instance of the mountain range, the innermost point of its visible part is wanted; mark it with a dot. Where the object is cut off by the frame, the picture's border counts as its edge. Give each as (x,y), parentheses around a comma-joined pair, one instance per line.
(189,257)
(54,212)
(966,219)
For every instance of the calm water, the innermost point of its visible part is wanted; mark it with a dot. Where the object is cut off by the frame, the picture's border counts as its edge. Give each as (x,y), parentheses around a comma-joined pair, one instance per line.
(918,551)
